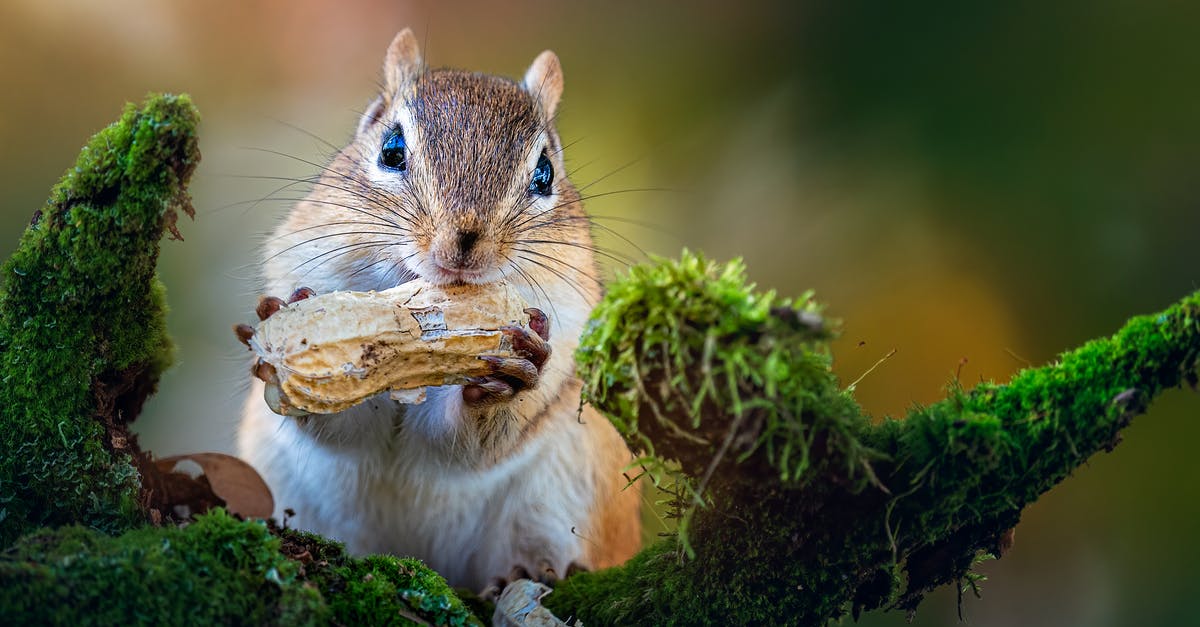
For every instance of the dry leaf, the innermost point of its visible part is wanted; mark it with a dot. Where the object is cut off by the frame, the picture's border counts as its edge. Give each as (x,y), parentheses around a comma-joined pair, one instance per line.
(233,480)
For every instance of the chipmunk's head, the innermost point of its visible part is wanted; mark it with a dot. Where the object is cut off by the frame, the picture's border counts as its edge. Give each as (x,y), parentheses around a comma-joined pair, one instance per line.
(468,168)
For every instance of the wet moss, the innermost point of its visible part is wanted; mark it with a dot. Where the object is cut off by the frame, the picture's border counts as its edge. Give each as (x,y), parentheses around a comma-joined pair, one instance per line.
(82,331)
(818,512)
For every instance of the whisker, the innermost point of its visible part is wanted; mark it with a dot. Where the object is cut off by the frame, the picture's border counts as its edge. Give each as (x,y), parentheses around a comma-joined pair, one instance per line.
(372,264)
(255,202)
(635,222)
(307,132)
(612,255)
(340,252)
(382,221)
(369,196)
(610,174)
(588,219)
(518,225)
(533,285)
(326,236)
(326,224)
(561,263)
(358,209)
(574,285)
(322,168)
(334,250)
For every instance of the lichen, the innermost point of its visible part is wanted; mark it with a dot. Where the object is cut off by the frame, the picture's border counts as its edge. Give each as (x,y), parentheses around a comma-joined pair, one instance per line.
(82,323)
(683,356)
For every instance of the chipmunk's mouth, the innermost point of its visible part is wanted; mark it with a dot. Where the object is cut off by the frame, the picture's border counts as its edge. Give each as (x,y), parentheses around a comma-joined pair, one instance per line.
(440,275)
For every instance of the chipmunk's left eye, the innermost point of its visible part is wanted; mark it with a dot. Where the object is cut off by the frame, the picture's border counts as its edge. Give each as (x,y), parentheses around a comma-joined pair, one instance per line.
(391,155)
(543,177)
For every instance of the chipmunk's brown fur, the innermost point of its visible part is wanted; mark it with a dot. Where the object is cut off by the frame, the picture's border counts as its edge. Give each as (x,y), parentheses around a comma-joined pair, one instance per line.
(476,480)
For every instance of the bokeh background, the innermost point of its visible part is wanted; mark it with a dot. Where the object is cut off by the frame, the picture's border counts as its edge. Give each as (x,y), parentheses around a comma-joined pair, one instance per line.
(988,182)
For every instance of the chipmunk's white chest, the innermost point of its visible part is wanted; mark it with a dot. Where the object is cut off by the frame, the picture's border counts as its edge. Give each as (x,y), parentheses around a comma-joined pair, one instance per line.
(381,490)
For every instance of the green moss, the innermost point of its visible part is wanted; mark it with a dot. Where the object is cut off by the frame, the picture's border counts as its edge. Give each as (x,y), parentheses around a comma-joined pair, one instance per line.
(385,590)
(378,589)
(216,571)
(824,513)
(82,331)
(82,343)
(685,357)
(964,467)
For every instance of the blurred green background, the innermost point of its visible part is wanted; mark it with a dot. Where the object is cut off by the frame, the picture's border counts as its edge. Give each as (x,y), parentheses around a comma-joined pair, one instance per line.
(988,182)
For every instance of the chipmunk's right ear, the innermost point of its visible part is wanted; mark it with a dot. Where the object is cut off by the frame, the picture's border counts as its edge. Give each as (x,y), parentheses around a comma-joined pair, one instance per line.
(401,68)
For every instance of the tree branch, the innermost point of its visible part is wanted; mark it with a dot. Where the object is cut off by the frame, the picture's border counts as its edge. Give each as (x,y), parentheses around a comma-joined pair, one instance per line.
(824,512)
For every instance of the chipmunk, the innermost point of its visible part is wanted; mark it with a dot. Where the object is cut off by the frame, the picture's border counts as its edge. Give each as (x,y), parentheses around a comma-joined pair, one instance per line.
(453,177)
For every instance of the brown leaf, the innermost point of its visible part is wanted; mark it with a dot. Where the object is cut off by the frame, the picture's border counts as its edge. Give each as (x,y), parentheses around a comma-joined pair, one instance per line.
(235,481)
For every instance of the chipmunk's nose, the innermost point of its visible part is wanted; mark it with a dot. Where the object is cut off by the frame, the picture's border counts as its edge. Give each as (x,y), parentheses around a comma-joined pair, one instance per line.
(466,242)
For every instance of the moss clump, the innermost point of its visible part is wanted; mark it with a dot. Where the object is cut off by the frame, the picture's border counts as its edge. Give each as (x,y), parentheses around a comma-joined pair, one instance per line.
(82,331)
(375,590)
(216,571)
(686,357)
(693,364)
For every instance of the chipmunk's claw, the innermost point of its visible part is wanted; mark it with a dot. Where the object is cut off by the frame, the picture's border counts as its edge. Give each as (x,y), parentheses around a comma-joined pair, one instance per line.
(481,391)
(300,294)
(522,373)
(267,307)
(511,375)
(531,346)
(539,322)
(243,332)
(544,573)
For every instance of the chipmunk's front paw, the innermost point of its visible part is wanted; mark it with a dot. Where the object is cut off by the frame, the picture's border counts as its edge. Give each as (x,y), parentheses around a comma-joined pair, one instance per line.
(544,573)
(267,306)
(513,374)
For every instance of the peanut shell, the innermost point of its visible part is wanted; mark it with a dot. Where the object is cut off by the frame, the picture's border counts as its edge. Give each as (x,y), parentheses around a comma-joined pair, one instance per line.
(333,350)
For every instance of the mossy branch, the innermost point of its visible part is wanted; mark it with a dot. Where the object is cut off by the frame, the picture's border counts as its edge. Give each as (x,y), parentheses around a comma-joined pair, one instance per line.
(82,323)
(794,506)
(809,510)
(82,343)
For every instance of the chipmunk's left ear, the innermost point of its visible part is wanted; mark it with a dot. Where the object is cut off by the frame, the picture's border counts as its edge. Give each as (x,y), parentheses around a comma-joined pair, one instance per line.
(544,80)
(401,68)
(403,64)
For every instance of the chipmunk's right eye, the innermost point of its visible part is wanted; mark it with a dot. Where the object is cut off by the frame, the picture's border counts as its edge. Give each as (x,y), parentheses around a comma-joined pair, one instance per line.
(391,156)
